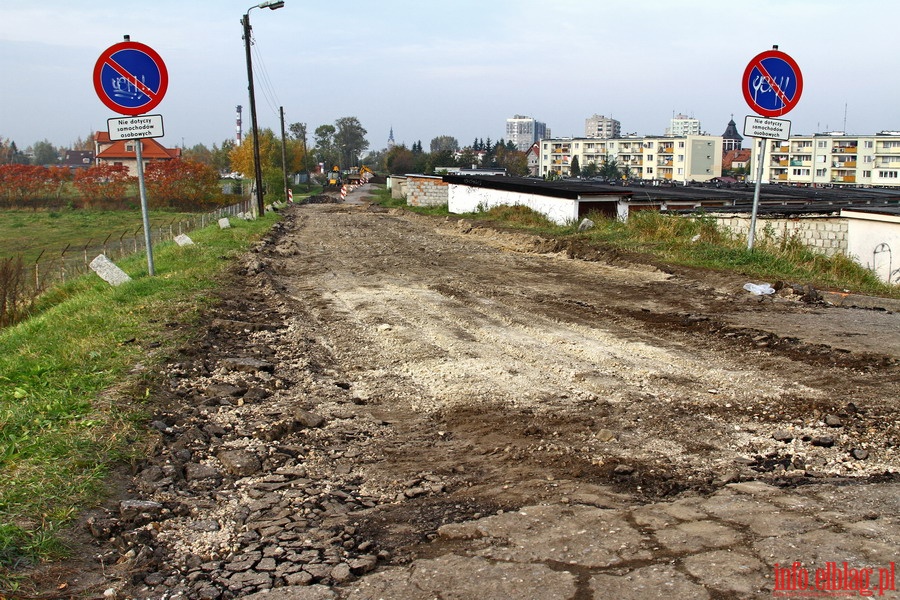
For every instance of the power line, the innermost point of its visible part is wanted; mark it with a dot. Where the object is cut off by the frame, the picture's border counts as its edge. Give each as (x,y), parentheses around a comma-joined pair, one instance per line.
(268,89)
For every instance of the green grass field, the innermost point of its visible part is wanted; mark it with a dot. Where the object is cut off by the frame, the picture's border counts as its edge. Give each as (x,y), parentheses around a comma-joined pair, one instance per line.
(29,232)
(71,404)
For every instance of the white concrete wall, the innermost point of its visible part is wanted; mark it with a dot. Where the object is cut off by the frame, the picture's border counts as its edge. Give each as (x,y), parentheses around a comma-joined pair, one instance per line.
(826,235)
(868,232)
(398,187)
(466,199)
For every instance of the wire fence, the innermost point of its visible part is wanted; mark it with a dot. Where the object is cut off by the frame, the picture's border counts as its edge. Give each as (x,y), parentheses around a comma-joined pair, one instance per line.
(50,268)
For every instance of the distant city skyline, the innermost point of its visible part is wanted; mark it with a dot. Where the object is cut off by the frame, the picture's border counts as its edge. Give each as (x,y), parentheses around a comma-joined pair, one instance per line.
(459,68)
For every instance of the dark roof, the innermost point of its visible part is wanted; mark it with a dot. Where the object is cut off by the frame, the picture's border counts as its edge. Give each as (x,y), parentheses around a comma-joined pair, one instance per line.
(731,132)
(572,189)
(893,210)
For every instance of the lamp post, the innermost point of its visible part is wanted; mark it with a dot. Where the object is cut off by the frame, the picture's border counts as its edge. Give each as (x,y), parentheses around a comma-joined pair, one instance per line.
(257,167)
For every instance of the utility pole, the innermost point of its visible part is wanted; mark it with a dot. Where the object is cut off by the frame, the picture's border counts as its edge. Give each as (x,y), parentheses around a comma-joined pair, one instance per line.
(257,167)
(284,156)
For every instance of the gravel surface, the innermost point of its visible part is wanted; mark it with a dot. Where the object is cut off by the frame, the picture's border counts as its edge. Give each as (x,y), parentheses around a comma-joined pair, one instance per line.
(371,376)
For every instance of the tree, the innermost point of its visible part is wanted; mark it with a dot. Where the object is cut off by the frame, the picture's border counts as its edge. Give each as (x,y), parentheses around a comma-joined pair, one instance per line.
(101,184)
(185,184)
(590,170)
(515,162)
(86,144)
(24,185)
(375,160)
(198,153)
(609,169)
(575,168)
(11,155)
(45,153)
(269,159)
(350,138)
(438,160)
(221,156)
(468,158)
(325,150)
(400,160)
(445,143)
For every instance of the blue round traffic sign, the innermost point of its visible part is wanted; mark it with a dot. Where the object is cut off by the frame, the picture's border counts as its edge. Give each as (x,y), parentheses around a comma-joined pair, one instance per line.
(772,83)
(130,78)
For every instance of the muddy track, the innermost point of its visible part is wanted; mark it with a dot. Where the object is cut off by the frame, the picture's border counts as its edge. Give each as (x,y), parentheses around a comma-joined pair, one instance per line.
(372,375)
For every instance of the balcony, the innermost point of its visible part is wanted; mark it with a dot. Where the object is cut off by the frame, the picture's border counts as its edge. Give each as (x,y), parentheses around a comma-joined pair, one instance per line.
(844,179)
(844,150)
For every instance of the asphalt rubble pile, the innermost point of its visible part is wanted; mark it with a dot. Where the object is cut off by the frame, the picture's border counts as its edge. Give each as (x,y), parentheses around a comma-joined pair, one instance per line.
(250,485)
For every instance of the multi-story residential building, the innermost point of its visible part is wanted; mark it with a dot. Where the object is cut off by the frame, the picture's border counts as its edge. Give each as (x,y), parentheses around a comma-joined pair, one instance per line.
(665,158)
(525,131)
(682,125)
(831,159)
(602,127)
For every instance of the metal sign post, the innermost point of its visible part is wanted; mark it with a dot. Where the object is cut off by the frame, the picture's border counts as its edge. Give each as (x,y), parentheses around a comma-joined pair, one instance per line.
(772,84)
(145,213)
(131,78)
(751,236)
(764,130)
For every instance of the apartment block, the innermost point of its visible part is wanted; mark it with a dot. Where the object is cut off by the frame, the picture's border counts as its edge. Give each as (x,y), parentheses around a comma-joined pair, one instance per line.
(668,159)
(831,159)
(524,131)
(602,127)
(682,125)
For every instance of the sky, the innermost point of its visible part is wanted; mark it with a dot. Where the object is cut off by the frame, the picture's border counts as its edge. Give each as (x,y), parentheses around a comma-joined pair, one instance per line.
(456,67)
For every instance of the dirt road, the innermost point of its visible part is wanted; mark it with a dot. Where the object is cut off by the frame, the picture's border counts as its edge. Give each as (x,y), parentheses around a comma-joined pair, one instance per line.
(372,376)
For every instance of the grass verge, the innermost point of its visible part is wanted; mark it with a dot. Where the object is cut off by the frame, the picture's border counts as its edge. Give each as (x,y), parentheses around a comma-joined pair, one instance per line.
(63,424)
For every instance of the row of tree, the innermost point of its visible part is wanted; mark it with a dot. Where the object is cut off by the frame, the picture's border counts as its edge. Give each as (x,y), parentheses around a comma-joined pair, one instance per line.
(182,184)
(342,144)
(445,153)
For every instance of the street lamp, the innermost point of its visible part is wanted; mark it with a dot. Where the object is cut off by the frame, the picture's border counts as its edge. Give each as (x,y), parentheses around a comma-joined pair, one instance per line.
(260,206)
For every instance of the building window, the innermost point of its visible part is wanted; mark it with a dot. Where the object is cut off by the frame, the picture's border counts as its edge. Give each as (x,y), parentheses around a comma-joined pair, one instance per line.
(129,147)
(887,174)
(822,144)
(801,172)
(821,172)
(867,174)
(868,144)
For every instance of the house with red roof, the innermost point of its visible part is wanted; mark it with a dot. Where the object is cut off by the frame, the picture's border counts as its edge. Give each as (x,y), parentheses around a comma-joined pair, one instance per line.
(123,152)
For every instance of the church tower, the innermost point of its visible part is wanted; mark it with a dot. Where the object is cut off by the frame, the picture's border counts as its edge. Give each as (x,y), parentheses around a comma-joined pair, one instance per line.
(731,139)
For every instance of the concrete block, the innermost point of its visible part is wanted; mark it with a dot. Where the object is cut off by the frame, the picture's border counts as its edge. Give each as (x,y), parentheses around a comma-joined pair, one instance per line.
(224,223)
(109,271)
(183,240)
